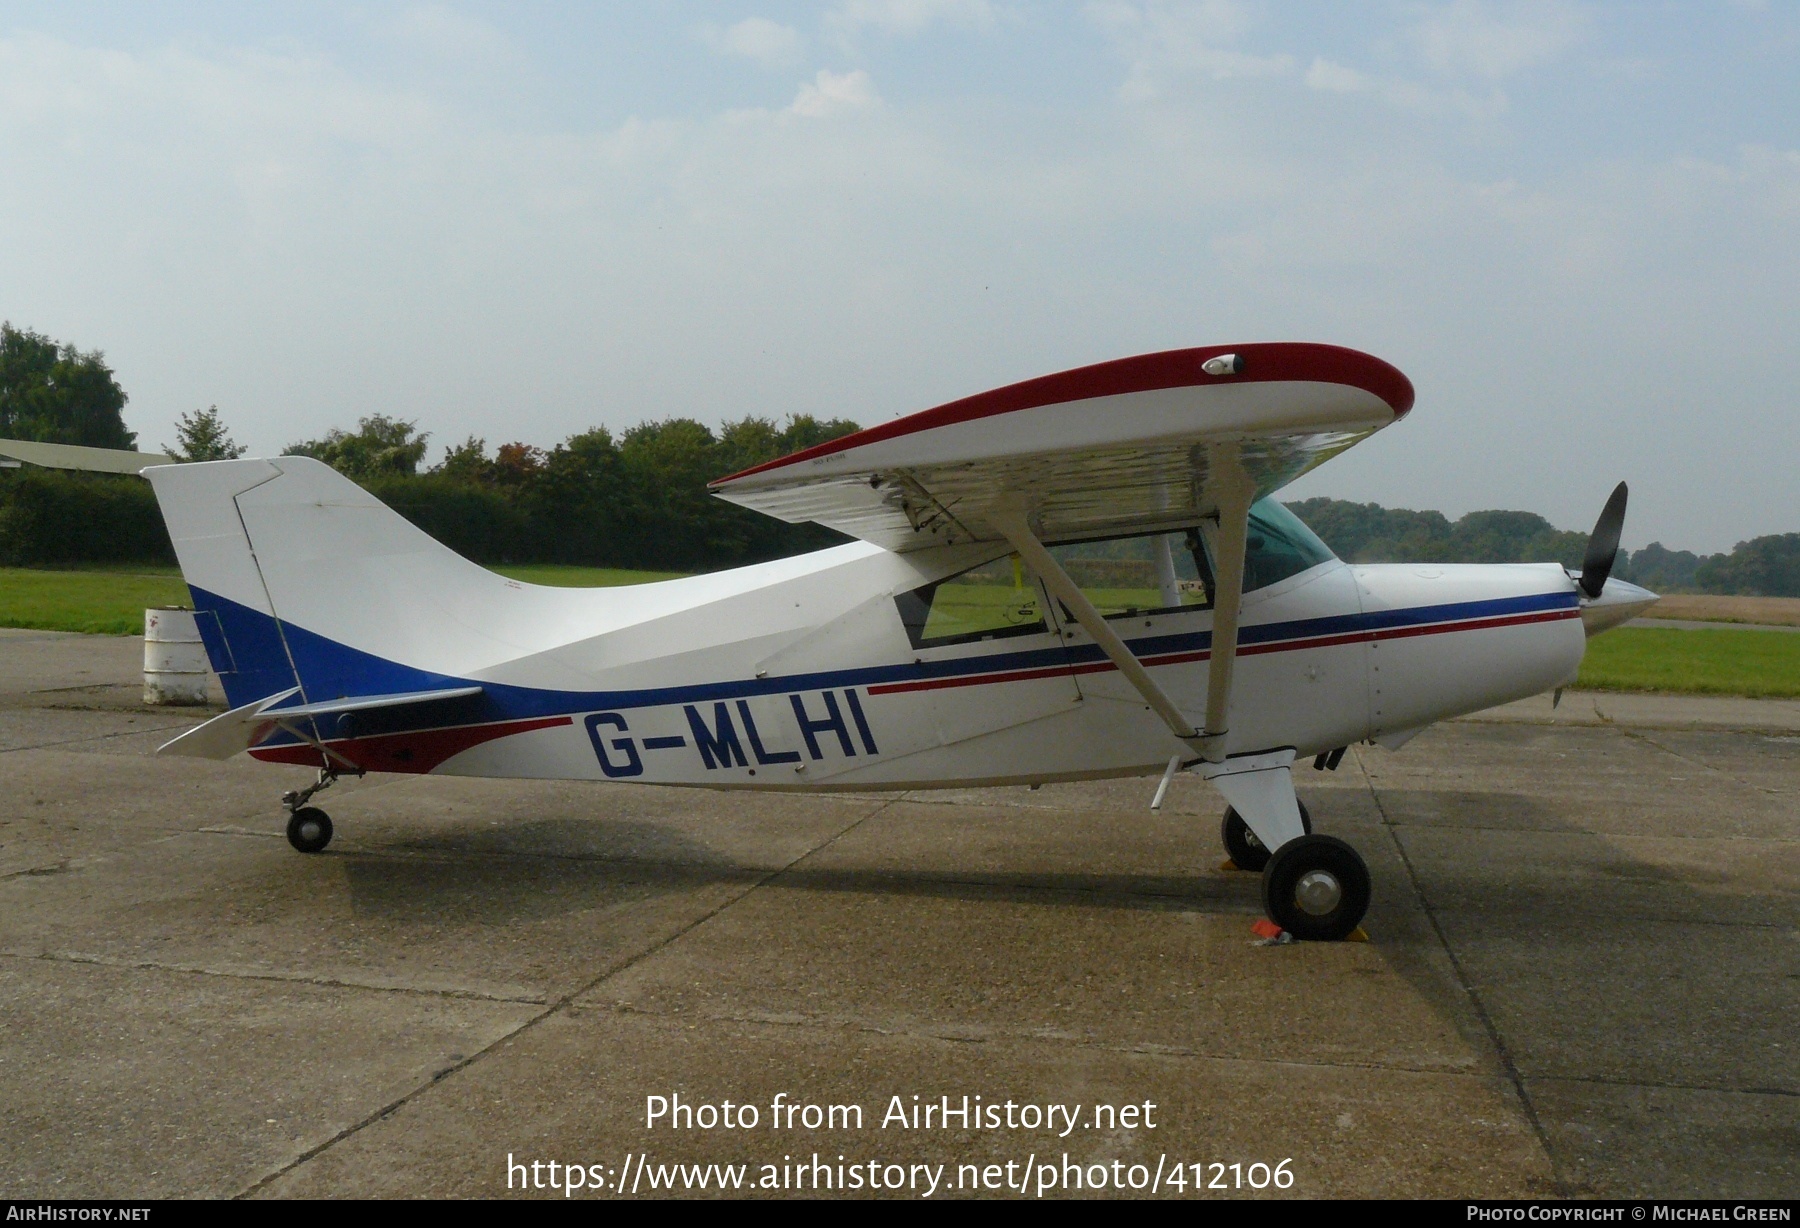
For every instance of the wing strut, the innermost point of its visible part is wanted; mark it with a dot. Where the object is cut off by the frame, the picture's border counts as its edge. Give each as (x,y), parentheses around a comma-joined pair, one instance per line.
(1011,522)
(1234,490)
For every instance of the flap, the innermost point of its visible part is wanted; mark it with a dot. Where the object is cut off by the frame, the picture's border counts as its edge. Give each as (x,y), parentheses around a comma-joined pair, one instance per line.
(1120,447)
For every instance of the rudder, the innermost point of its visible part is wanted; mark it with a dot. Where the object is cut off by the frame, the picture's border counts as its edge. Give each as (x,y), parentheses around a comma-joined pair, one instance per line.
(232,608)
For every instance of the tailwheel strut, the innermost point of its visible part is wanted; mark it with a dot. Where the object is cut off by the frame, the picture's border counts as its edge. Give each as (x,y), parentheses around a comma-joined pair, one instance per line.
(309,828)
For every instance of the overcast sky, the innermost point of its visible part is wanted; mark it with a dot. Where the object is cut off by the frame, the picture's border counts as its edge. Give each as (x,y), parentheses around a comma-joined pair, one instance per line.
(1576,227)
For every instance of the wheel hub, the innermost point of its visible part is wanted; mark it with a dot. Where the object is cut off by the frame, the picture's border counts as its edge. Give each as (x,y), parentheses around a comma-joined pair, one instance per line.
(309,830)
(1318,892)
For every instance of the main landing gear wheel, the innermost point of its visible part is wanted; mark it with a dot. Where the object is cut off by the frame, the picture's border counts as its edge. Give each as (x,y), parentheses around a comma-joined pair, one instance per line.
(1316,888)
(309,829)
(1241,844)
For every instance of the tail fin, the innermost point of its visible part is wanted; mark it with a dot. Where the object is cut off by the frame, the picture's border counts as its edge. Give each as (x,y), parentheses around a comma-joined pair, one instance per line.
(302,578)
(236,617)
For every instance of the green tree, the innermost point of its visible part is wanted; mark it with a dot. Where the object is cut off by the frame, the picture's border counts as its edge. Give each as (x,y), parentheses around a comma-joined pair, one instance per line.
(467,462)
(1514,537)
(381,447)
(1661,569)
(666,466)
(577,505)
(1761,567)
(201,436)
(1370,533)
(52,392)
(640,500)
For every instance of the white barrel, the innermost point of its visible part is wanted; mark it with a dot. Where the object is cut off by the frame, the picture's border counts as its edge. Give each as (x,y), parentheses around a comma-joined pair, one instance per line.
(175,666)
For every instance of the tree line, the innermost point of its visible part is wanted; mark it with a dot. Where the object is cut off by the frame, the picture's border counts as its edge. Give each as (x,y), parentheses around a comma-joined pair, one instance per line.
(1766,566)
(638,498)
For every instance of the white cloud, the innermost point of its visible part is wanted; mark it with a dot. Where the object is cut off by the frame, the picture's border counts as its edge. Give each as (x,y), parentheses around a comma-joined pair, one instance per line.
(911,16)
(833,93)
(448,34)
(1164,42)
(768,43)
(1472,38)
(1335,78)
(1329,77)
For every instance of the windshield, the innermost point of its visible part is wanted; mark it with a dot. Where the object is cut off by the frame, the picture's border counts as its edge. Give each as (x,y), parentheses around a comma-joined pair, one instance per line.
(1279,545)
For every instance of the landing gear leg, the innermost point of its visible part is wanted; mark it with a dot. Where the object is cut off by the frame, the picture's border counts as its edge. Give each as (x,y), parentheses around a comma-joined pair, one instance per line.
(309,828)
(1315,887)
(1242,846)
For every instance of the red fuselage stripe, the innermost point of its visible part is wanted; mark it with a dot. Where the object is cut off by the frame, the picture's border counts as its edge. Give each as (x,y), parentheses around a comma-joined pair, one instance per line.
(418,752)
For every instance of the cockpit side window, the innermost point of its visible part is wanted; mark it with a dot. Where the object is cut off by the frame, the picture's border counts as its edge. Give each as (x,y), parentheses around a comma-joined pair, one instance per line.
(1155,573)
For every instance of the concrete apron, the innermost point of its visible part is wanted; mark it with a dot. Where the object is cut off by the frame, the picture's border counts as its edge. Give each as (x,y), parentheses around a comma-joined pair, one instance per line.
(1586,946)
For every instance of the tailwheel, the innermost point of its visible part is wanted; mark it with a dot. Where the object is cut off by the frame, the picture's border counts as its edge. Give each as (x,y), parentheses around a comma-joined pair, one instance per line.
(309,829)
(1316,888)
(1242,846)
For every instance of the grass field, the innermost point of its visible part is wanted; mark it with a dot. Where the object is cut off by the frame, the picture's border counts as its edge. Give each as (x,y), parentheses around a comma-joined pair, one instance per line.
(557,576)
(102,601)
(1760,664)
(98,602)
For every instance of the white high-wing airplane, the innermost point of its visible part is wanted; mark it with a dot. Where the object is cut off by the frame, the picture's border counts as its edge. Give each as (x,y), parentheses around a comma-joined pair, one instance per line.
(1075,577)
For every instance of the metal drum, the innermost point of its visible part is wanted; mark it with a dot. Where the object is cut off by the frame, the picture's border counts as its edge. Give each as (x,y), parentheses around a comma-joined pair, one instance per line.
(175,666)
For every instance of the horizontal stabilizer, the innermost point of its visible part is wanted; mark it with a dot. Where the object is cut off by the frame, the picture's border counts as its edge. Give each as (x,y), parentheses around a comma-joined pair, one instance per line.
(226,735)
(241,728)
(362,703)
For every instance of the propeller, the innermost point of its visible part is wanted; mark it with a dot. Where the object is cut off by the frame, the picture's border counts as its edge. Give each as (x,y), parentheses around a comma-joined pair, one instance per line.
(1603,546)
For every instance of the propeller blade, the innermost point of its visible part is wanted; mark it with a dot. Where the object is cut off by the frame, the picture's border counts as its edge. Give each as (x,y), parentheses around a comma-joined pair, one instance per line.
(1603,546)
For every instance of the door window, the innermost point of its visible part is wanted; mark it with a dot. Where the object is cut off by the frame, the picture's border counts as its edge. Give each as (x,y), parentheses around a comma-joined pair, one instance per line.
(988,602)
(1155,573)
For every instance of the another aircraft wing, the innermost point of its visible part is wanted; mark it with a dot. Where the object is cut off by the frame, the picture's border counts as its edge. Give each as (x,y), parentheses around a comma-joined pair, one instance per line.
(1120,447)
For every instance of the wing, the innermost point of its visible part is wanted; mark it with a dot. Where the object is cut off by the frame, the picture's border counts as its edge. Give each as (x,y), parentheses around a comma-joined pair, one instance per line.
(1124,446)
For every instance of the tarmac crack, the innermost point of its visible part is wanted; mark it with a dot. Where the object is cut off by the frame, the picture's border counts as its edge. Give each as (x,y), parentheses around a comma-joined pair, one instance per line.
(557,1007)
(95,737)
(1672,1086)
(289,978)
(1709,837)
(1034,1036)
(42,871)
(1501,1051)
(1702,764)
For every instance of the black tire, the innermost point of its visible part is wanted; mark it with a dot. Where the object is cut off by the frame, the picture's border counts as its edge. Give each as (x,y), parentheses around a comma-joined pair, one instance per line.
(309,829)
(1242,846)
(1316,888)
